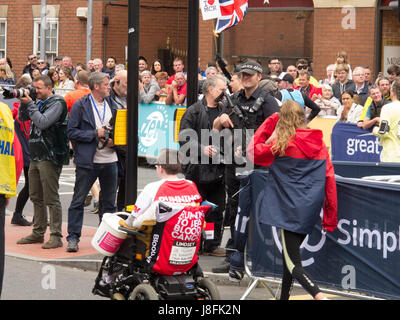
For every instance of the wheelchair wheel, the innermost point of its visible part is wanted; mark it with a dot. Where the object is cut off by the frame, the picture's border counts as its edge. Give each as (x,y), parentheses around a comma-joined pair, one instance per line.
(143,292)
(211,291)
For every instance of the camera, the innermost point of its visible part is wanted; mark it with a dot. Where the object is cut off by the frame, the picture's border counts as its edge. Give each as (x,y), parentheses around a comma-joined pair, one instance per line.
(108,134)
(10,93)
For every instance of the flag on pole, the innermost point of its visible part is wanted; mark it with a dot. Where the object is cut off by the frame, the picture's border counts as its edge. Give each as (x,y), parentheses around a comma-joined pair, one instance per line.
(232,12)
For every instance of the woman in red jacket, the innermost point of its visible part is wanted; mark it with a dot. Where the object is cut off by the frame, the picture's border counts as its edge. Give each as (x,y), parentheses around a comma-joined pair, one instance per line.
(301,181)
(22,134)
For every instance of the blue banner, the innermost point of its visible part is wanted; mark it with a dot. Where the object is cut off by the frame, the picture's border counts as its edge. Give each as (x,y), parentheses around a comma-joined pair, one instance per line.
(361,255)
(351,143)
(156,129)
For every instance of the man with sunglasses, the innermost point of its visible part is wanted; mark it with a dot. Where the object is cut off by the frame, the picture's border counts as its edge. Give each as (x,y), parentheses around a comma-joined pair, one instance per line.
(42,66)
(32,64)
(302,66)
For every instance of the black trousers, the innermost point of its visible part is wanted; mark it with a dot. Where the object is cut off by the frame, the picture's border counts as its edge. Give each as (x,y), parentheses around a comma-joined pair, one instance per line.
(23,195)
(215,193)
(2,238)
(232,186)
(292,268)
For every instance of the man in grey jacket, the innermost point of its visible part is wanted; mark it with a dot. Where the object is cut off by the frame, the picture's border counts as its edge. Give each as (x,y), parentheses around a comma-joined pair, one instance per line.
(49,150)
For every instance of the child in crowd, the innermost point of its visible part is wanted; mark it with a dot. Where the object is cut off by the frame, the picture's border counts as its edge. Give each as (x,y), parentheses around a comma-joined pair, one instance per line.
(342,58)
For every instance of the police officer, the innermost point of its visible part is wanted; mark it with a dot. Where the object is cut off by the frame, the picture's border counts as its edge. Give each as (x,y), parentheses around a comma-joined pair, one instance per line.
(255,105)
(250,75)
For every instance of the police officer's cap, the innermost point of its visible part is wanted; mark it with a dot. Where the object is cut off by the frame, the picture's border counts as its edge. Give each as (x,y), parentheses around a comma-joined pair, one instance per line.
(251,67)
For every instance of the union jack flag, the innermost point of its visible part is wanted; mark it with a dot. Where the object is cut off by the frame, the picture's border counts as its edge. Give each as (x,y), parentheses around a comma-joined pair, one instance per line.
(232,12)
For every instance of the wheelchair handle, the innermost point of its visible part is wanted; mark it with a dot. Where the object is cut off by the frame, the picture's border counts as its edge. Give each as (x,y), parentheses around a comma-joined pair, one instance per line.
(131,232)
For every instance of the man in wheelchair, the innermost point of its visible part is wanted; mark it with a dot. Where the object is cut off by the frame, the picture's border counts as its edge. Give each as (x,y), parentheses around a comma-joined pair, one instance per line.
(160,258)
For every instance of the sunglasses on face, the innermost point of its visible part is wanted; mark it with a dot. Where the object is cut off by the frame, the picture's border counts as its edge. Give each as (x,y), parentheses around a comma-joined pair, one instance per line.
(302,67)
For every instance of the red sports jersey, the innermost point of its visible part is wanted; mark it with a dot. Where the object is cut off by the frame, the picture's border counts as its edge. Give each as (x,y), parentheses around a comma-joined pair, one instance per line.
(176,236)
(176,241)
(171,192)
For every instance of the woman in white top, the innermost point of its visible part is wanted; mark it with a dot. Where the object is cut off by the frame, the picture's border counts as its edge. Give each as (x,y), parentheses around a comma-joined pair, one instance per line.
(66,83)
(349,111)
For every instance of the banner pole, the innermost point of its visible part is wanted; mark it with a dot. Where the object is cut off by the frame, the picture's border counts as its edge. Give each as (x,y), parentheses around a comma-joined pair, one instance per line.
(193,52)
(131,172)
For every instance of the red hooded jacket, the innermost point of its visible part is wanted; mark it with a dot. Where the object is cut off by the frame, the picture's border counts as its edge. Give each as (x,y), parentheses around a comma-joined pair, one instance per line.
(301,182)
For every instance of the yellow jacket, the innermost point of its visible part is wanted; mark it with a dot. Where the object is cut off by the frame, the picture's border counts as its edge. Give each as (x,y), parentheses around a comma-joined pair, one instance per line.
(365,108)
(8,183)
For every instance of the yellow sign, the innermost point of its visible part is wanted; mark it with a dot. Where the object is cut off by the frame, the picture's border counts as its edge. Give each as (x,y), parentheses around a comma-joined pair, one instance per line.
(325,125)
(177,123)
(120,127)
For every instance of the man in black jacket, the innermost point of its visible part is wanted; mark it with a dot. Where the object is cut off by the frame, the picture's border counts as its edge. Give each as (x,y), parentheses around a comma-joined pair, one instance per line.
(200,163)
(32,65)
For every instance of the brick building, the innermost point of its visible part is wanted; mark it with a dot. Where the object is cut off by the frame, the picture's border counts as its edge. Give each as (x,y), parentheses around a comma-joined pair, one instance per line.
(368,30)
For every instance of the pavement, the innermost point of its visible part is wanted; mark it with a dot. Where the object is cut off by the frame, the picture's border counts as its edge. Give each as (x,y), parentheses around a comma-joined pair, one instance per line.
(87,258)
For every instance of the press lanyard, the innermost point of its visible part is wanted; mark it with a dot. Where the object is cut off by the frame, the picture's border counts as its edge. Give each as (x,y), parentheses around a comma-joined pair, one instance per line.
(104,110)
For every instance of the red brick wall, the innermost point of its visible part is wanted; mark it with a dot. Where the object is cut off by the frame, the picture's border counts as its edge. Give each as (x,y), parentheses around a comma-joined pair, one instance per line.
(72,31)
(116,30)
(19,34)
(207,41)
(282,34)
(158,21)
(330,37)
(316,34)
(390,29)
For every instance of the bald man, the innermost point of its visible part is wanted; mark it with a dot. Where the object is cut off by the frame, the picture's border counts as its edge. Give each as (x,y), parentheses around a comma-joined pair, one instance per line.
(119,89)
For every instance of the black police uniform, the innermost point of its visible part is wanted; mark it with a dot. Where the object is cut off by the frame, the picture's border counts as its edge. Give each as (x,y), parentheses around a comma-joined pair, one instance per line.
(258,107)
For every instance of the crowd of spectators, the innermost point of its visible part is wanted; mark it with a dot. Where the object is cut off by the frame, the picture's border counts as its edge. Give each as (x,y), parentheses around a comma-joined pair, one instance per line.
(157,86)
(346,94)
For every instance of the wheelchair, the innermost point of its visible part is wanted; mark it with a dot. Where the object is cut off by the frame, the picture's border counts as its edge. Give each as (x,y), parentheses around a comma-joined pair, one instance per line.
(130,274)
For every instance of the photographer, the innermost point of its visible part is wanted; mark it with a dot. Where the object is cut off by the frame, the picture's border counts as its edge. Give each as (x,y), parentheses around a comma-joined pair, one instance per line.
(201,164)
(88,130)
(48,146)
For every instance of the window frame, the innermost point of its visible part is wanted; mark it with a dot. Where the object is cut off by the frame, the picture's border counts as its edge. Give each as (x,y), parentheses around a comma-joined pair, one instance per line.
(4,20)
(36,36)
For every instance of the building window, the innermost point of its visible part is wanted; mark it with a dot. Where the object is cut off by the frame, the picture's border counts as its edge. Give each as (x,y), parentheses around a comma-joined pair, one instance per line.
(3,38)
(51,42)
